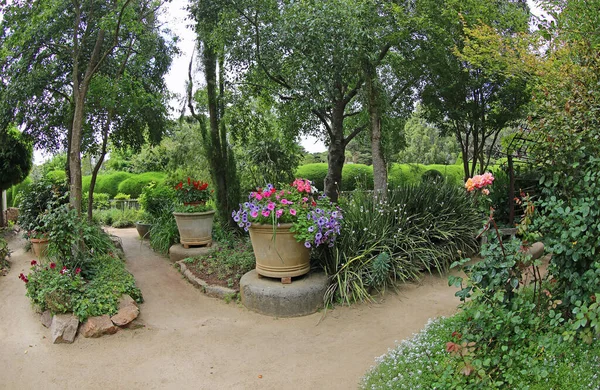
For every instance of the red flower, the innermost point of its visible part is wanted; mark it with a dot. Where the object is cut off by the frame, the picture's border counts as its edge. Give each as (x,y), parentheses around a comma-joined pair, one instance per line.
(189,181)
(77,271)
(64,270)
(23,278)
(52,265)
(33,262)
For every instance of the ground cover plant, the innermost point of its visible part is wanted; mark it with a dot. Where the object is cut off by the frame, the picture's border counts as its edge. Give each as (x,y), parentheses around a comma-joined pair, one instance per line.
(383,241)
(225,264)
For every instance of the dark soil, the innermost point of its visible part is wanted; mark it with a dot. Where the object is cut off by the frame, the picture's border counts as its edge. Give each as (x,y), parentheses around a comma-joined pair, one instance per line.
(202,270)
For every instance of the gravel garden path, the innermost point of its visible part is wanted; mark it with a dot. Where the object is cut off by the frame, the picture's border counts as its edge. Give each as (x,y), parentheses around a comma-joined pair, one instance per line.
(191,341)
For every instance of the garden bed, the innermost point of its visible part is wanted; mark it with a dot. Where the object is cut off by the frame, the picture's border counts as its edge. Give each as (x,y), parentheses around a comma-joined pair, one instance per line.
(224,266)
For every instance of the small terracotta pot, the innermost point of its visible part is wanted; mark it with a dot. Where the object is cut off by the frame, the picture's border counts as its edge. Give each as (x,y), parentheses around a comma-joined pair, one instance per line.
(39,246)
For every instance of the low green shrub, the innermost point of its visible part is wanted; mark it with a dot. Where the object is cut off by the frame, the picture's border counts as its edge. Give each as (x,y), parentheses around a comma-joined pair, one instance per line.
(107,183)
(134,185)
(356,176)
(101,201)
(121,196)
(156,198)
(56,176)
(405,174)
(454,174)
(432,175)
(117,218)
(37,200)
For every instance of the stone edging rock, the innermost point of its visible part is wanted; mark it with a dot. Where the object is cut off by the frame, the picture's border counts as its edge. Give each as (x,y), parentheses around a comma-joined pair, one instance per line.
(64,327)
(208,289)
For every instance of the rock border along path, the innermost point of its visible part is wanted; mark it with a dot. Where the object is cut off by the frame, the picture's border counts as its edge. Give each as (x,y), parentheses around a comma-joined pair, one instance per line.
(192,341)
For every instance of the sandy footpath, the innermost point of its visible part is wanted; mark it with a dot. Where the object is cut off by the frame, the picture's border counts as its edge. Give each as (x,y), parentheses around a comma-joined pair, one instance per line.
(195,342)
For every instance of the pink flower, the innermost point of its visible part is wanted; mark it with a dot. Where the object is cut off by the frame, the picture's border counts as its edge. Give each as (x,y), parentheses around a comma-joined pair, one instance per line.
(278,213)
(265,213)
(485,191)
(293,211)
(271,206)
(258,197)
(77,271)
(254,214)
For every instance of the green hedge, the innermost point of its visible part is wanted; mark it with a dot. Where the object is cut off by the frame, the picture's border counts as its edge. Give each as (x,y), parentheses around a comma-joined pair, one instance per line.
(108,184)
(56,176)
(357,176)
(135,184)
(360,175)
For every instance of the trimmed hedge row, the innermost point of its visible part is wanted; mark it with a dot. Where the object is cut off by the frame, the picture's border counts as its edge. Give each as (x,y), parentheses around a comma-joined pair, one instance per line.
(361,176)
(122,182)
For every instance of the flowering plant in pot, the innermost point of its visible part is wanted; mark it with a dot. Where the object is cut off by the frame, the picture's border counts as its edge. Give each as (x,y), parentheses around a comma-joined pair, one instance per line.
(284,223)
(192,193)
(194,215)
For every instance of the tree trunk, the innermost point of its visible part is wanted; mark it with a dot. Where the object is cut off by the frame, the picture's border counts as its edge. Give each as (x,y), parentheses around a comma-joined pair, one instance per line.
(97,168)
(217,158)
(336,155)
(75,153)
(379,166)
(2,208)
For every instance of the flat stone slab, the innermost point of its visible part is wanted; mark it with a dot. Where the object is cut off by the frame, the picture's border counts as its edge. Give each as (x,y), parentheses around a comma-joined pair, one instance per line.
(177,252)
(208,289)
(270,297)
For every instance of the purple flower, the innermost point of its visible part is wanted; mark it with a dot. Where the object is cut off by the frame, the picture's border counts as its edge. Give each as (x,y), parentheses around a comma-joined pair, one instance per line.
(307,244)
(318,236)
(311,229)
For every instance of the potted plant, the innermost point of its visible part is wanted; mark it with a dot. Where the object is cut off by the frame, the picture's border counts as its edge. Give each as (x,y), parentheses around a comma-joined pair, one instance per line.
(39,242)
(194,216)
(143,226)
(285,223)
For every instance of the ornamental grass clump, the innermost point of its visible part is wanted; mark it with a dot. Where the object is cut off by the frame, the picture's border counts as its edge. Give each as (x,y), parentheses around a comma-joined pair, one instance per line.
(315,219)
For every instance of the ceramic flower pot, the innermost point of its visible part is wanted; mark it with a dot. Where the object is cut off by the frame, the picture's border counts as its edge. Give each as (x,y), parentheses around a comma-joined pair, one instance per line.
(195,228)
(278,254)
(39,246)
(143,229)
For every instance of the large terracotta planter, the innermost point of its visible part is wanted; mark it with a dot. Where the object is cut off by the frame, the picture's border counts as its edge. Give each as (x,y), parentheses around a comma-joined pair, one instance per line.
(278,254)
(39,246)
(195,228)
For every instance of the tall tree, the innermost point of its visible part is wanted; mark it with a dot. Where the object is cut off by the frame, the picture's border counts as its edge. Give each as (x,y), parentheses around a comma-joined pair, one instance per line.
(313,53)
(16,160)
(66,43)
(212,44)
(460,98)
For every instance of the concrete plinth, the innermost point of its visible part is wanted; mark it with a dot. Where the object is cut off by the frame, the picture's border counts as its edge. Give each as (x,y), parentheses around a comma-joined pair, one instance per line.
(178,252)
(270,297)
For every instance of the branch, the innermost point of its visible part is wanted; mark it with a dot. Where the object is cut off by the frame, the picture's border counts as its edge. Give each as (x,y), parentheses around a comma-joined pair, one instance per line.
(115,38)
(190,88)
(323,118)
(354,133)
